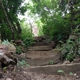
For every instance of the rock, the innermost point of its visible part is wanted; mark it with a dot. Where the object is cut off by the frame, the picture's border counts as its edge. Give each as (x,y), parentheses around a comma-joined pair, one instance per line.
(11,48)
(66,62)
(52,44)
(76,60)
(0,41)
(3,49)
(73,37)
(8,79)
(22,55)
(7,49)
(1,75)
(18,42)
(5,61)
(6,56)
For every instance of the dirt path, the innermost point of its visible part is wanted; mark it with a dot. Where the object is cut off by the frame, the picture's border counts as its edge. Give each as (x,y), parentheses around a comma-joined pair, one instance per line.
(24,74)
(37,58)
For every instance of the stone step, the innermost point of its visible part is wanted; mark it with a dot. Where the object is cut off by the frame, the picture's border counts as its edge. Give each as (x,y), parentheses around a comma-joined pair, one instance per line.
(42,54)
(43,61)
(40,43)
(43,57)
(39,38)
(53,69)
(40,48)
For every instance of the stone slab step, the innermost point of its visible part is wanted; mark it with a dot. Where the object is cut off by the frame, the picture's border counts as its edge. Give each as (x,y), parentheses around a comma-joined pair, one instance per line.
(40,43)
(40,48)
(42,54)
(53,69)
(43,58)
(43,61)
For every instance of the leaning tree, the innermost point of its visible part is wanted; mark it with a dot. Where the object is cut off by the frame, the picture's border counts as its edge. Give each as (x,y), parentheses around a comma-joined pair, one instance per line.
(9,22)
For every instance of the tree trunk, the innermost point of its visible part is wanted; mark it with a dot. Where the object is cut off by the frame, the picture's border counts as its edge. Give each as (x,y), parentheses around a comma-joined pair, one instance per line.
(7,20)
(18,27)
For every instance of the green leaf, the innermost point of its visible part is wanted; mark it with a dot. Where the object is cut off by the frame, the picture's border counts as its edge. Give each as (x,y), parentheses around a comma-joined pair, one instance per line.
(71,73)
(60,71)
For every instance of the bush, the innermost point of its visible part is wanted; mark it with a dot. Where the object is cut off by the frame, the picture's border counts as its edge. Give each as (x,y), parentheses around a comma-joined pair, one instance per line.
(28,41)
(27,36)
(71,49)
(7,33)
(57,29)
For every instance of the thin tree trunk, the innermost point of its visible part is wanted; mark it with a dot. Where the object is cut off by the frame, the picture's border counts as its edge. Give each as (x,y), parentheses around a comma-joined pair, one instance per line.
(18,27)
(7,20)
(14,26)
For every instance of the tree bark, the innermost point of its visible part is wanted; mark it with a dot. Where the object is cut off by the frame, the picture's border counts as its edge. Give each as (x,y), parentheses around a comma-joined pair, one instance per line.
(18,27)
(7,20)
(14,26)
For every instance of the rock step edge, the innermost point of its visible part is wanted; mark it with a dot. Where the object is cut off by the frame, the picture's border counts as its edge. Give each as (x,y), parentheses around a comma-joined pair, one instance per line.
(53,69)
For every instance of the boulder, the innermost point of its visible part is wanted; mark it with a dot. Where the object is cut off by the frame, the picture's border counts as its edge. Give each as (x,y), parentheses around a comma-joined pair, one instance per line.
(66,62)
(18,42)
(6,54)
(22,55)
(10,48)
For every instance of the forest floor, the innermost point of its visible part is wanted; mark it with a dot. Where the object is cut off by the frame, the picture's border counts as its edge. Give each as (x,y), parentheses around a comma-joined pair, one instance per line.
(24,74)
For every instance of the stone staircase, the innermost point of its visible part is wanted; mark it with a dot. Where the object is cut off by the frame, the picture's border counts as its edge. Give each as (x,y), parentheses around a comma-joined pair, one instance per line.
(42,53)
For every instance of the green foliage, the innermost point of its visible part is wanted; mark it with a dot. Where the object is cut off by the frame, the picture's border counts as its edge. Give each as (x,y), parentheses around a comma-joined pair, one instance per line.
(6,32)
(57,22)
(5,42)
(28,41)
(18,50)
(26,35)
(60,71)
(12,9)
(57,29)
(51,62)
(5,69)
(72,48)
(26,32)
(23,63)
(71,73)
(40,27)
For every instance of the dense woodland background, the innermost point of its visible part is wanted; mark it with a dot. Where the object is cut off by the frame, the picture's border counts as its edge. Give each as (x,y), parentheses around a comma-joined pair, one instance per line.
(57,20)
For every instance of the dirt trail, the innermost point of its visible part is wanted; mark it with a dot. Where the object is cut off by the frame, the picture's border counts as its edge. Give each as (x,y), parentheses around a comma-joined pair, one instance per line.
(21,73)
(24,74)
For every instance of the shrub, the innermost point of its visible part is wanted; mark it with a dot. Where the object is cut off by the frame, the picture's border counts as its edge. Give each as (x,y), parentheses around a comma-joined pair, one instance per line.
(71,49)
(58,29)
(28,41)
(23,63)
(27,36)
(18,50)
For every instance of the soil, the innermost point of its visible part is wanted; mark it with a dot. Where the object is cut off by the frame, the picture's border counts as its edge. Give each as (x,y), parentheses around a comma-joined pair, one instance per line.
(20,73)
(23,73)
